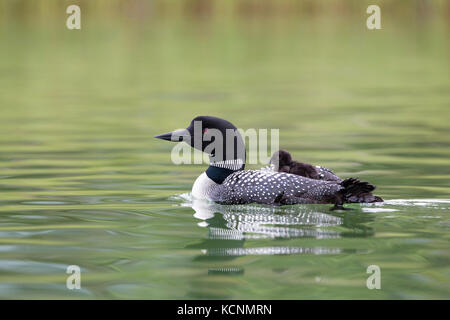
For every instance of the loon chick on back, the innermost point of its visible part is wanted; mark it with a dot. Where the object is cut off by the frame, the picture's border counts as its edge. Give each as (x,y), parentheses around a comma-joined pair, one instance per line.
(225,181)
(281,161)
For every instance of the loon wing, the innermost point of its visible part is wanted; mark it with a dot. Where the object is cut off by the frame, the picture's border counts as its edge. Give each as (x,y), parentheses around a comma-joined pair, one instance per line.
(276,188)
(327,174)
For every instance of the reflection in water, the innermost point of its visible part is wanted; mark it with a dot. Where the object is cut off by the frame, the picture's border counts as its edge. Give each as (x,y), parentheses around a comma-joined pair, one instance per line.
(231,226)
(229,229)
(225,271)
(257,221)
(271,251)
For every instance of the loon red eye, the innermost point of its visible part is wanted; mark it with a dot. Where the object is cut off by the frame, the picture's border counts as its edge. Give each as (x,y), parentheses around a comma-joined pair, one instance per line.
(205,130)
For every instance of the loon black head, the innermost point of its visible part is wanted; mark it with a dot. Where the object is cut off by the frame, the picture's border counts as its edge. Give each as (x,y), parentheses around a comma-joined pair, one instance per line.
(217,137)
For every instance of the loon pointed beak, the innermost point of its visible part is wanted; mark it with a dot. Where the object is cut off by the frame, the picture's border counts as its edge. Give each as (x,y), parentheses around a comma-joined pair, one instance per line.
(177,135)
(165,136)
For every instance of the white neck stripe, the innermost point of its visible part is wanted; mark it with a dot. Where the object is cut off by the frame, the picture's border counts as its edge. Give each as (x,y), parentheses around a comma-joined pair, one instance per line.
(235,164)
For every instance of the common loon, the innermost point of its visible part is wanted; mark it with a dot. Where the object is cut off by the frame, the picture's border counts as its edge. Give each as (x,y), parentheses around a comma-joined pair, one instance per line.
(226,182)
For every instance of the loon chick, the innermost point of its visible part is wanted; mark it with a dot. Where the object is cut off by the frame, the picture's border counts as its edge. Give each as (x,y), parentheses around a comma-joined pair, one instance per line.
(281,161)
(225,181)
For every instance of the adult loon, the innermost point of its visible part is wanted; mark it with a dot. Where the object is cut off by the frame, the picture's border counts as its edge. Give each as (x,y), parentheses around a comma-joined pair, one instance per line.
(226,182)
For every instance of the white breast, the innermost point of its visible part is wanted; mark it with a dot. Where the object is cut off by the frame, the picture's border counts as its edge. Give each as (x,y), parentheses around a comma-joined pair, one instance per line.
(202,187)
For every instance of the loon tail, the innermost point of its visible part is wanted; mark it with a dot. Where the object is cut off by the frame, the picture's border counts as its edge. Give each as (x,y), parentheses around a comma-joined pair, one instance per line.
(356,191)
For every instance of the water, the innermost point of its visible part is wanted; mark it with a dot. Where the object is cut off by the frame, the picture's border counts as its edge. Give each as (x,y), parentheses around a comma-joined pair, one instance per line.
(83,182)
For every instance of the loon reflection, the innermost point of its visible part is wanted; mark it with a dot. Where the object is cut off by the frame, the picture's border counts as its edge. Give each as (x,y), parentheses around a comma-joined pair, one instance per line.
(230,226)
(259,222)
(257,230)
